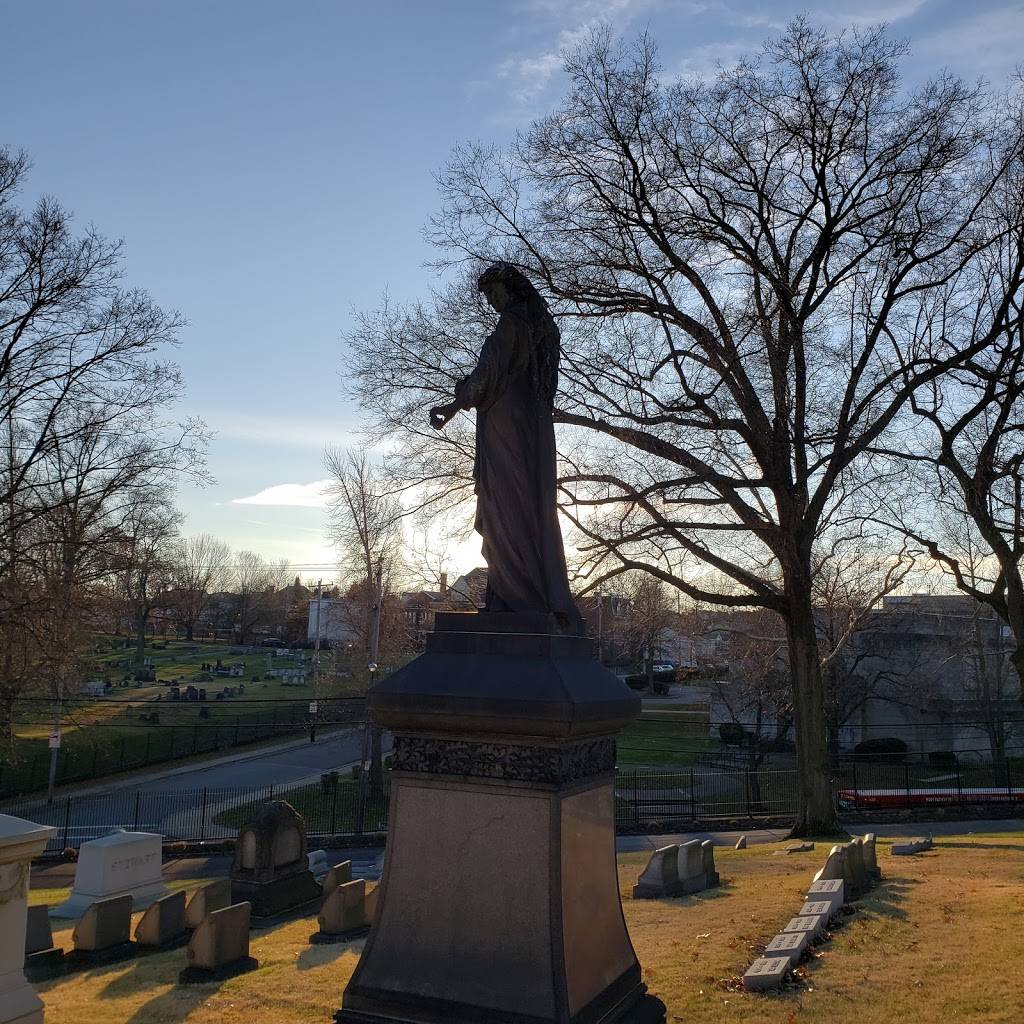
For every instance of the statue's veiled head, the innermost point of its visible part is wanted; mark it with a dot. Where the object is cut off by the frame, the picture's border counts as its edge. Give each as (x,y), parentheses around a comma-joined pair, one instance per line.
(502,284)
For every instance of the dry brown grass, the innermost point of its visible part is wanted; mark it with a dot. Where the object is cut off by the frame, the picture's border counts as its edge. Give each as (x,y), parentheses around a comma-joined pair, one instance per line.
(941,939)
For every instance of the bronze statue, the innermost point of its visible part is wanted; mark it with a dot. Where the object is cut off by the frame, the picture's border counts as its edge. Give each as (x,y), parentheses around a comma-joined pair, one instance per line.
(512,389)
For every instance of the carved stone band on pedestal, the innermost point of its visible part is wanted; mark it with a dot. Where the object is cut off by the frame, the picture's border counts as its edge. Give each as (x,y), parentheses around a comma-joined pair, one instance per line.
(510,762)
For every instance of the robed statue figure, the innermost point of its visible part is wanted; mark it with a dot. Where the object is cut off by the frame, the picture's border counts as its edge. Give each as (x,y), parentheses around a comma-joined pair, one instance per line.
(512,389)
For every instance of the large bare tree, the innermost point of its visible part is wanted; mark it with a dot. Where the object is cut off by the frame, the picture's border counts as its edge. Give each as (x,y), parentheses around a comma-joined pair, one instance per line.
(200,566)
(739,265)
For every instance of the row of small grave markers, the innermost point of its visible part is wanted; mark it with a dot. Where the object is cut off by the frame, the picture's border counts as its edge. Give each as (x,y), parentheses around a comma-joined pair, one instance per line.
(849,871)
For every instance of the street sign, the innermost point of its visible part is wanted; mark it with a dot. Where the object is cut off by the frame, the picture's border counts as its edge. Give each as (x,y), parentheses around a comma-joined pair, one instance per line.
(312,707)
(55,740)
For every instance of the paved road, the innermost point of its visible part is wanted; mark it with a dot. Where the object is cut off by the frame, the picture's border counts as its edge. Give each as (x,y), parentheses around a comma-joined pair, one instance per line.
(172,801)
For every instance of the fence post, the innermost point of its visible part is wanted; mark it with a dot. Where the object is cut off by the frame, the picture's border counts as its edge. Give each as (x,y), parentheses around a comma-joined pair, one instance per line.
(202,820)
(67,823)
(636,797)
(149,737)
(959,778)
(195,737)
(235,744)
(1009,787)
(693,794)
(334,807)
(906,781)
(95,754)
(747,781)
(138,797)
(120,756)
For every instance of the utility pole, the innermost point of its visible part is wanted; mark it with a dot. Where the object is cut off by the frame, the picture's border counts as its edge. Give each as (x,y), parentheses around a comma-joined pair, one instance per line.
(315,705)
(371,736)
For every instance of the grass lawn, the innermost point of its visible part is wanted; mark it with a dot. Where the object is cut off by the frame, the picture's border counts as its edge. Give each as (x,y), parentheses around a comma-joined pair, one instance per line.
(664,738)
(106,734)
(940,939)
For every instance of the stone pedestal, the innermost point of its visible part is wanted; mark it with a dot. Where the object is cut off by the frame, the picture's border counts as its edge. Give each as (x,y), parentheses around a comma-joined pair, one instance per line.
(499,900)
(20,842)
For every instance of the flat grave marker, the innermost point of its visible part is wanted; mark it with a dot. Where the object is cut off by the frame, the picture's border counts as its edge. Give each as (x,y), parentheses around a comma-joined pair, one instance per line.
(766,973)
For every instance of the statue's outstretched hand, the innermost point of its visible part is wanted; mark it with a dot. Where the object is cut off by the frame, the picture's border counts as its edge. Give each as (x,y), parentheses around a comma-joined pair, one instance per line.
(441,414)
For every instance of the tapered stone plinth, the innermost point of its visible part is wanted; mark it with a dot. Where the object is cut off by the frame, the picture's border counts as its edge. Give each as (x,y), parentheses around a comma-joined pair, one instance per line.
(499,900)
(20,842)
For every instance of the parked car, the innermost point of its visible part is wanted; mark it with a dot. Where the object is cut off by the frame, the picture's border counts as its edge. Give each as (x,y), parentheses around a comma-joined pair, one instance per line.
(272,641)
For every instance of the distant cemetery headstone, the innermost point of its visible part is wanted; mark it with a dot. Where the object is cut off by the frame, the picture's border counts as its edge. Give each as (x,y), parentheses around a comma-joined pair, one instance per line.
(125,863)
(103,933)
(205,900)
(162,926)
(219,947)
(271,867)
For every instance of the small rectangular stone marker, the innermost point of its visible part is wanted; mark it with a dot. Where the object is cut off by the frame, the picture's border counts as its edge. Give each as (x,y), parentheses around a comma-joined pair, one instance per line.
(830,889)
(43,960)
(219,947)
(909,849)
(103,932)
(766,973)
(211,897)
(790,944)
(338,875)
(816,908)
(811,925)
(346,913)
(162,926)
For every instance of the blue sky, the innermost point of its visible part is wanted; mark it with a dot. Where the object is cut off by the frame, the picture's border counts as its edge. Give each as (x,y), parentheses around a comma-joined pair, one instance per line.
(270,167)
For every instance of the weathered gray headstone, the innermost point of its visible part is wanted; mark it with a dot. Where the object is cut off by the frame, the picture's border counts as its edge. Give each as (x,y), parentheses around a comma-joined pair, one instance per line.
(789,944)
(205,900)
(691,867)
(42,959)
(660,877)
(871,858)
(834,866)
(38,933)
(766,973)
(347,912)
(910,848)
(707,849)
(317,860)
(162,926)
(831,889)
(271,867)
(219,947)
(741,843)
(797,848)
(103,933)
(856,876)
(338,875)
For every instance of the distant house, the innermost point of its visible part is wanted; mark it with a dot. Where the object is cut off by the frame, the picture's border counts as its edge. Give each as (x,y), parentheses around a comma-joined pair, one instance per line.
(333,618)
(419,607)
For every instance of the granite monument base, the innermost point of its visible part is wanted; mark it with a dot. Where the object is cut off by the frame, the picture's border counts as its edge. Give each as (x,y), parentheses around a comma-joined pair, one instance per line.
(499,900)
(279,897)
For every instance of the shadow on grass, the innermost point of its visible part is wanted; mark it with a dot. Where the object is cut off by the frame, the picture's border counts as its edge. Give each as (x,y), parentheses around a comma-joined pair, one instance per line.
(320,954)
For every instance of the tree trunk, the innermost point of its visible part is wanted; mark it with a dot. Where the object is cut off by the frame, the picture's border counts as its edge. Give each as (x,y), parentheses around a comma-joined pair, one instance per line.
(817,811)
(140,639)
(376,762)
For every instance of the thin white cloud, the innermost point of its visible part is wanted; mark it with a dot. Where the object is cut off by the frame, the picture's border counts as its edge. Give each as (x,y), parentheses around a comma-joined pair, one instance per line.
(283,430)
(312,495)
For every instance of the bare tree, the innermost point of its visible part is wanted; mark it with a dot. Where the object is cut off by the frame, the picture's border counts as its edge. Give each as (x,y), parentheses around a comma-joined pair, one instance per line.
(648,619)
(200,567)
(253,581)
(740,267)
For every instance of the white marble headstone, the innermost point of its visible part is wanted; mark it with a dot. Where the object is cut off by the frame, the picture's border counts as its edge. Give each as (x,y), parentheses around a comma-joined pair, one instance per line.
(126,863)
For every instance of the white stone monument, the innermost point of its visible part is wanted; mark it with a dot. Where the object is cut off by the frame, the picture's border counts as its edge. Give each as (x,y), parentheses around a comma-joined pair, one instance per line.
(20,841)
(122,864)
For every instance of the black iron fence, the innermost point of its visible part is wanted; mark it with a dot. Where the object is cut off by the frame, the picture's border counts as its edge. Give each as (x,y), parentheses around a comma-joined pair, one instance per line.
(116,749)
(644,798)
